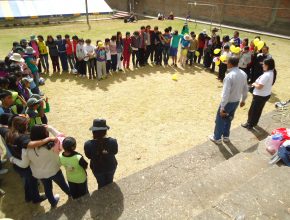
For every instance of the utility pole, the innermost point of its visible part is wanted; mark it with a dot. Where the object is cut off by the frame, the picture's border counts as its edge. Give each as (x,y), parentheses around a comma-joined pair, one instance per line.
(87,14)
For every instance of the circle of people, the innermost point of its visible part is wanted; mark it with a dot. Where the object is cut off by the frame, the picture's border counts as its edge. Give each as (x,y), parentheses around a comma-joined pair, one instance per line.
(24,126)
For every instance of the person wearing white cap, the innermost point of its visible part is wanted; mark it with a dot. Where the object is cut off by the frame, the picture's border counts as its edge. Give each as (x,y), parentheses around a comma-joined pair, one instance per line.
(16,57)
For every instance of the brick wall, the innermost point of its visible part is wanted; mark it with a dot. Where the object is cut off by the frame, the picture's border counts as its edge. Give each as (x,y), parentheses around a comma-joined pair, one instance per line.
(256,14)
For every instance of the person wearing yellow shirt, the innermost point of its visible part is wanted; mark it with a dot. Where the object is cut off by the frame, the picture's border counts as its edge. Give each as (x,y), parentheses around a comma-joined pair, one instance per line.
(43,53)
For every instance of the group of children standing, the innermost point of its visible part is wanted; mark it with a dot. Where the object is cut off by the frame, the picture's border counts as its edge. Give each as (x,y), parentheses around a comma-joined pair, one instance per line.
(114,54)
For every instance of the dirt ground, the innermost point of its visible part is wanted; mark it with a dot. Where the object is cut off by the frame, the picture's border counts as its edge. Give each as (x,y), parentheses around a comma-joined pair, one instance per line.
(152,116)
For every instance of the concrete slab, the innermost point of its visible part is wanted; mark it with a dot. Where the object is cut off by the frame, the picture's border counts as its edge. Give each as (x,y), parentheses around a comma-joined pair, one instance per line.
(263,197)
(193,196)
(155,182)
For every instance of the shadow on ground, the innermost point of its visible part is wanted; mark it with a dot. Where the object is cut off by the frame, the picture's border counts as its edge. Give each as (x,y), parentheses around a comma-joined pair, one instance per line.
(119,77)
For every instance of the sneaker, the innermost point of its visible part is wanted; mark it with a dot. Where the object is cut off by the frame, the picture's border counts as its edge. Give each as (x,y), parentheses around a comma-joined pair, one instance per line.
(56,197)
(226,139)
(74,71)
(211,138)
(3,171)
(40,199)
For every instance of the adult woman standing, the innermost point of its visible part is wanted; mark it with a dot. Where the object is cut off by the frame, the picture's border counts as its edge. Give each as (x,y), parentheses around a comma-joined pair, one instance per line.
(101,151)
(261,93)
(44,162)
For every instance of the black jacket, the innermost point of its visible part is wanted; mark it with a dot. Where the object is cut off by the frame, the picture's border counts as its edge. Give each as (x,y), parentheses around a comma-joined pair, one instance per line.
(102,162)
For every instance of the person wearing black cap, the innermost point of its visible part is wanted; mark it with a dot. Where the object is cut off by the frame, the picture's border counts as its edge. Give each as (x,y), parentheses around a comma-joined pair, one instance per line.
(35,111)
(101,151)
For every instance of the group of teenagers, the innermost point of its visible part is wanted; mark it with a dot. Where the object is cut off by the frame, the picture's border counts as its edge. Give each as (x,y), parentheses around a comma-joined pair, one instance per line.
(36,149)
(24,126)
(104,57)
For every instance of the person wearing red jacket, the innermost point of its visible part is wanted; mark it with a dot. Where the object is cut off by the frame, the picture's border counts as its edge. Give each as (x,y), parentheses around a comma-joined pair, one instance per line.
(127,50)
(69,53)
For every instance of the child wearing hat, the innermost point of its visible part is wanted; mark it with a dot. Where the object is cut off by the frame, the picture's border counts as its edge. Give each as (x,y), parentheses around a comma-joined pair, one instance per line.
(45,107)
(101,151)
(75,166)
(35,111)
(26,92)
(101,60)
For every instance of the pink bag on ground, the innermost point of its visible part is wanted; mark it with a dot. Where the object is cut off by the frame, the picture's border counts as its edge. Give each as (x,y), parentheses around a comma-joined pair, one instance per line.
(277,138)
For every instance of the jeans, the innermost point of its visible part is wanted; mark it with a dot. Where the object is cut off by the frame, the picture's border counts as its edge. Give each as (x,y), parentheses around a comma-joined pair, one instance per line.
(101,66)
(58,178)
(166,53)
(63,60)
(55,63)
(158,54)
(190,57)
(283,153)
(149,53)
(104,179)
(135,58)
(141,55)
(30,184)
(222,70)
(82,68)
(114,62)
(44,61)
(71,61)
(35,90)
(78,190)
(256,109)
(119,62)
(91,67)
(223,125)
(36,78)
(198,59)
(108,66)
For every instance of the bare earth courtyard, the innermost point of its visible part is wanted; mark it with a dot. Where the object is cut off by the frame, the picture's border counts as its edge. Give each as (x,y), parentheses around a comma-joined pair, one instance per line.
(152,116)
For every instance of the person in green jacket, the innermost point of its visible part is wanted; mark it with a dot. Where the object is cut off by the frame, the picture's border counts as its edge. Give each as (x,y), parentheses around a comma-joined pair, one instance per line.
(185,29)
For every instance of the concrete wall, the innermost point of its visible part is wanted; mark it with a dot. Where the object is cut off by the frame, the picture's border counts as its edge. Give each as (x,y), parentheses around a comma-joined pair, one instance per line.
(256,14)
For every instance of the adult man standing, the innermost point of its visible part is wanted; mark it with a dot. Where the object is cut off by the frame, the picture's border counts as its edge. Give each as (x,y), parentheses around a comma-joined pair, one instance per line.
(234,92)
